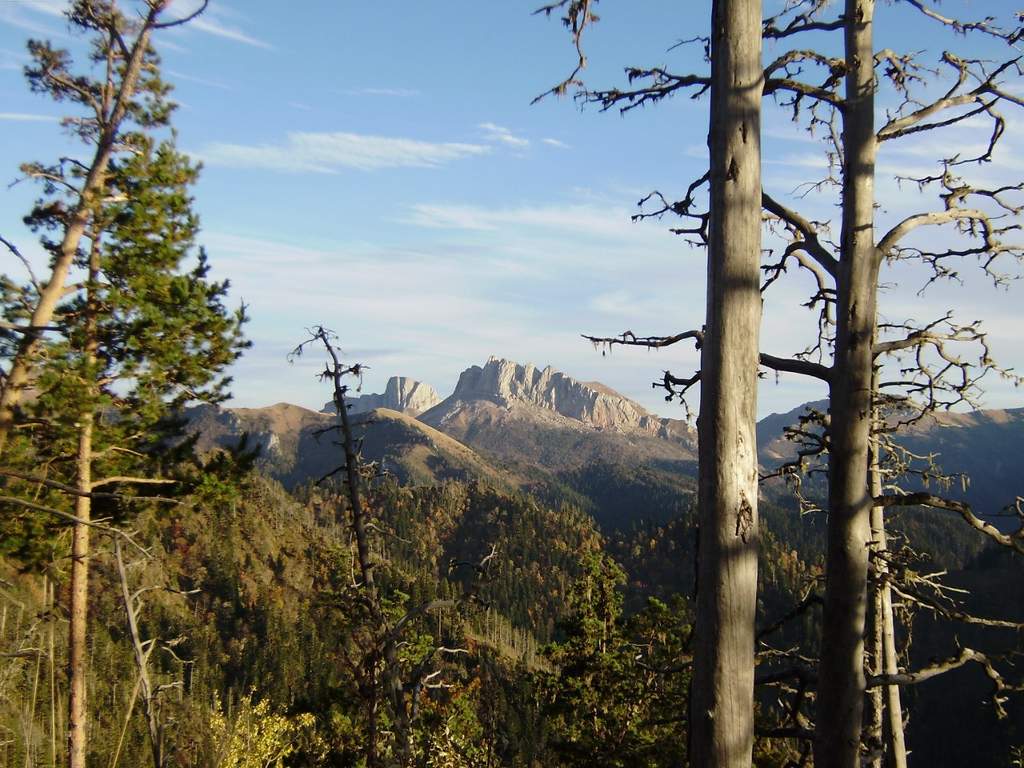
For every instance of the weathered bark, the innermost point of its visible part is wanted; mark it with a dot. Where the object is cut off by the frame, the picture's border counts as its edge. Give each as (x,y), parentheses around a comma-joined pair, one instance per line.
(841,680)
(875,702)
(78,629)
(886,721)
(895,746)
(890,724)
(79,622)
(19,374)
(721,705)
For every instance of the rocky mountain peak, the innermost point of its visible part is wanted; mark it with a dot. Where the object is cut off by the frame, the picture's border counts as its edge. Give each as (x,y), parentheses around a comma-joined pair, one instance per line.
(401,394)
(511,384)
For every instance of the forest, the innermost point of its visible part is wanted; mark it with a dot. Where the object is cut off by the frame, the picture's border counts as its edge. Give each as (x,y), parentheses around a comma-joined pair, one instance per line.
(535,570)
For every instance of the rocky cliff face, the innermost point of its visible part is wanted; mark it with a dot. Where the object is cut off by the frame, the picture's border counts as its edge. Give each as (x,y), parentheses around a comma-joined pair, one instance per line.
(514,385)
(401,394)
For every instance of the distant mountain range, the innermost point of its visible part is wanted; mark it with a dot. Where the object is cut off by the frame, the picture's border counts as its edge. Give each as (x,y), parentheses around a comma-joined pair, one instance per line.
(540,430)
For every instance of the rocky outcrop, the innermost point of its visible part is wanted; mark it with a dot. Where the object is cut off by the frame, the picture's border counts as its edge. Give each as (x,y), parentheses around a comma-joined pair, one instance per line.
(512,385)
(401,394)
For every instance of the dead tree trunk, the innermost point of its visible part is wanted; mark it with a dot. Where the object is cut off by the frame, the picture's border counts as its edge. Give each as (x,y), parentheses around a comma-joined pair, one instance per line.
(841,670)
(721,706)
(79,622)
(141,653)
(886,721)
(78,639)
(894,746)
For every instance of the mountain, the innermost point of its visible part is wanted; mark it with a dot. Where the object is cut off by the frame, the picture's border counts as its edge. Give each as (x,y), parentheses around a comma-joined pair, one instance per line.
(772,446)
(298,445)
(285,434)
(401,394)
(545,418)
(983,446)
(573,441)
(513,426)
(517,426)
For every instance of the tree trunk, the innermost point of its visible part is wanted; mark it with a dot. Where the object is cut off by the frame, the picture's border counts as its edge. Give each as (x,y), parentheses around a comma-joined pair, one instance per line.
(886,720)
(875,651)
(889,725)
(841,670)
(77,631)
(721,702)
(78,666)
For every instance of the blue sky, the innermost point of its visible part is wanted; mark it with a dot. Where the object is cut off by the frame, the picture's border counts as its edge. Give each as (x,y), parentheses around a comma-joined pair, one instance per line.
(378,168)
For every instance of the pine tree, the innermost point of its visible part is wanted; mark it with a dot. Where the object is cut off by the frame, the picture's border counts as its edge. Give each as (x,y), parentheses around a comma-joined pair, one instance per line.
(143,333)
(619,694)
(127,95)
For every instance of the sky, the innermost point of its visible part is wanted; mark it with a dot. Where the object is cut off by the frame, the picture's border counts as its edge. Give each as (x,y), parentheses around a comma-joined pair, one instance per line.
(378,168)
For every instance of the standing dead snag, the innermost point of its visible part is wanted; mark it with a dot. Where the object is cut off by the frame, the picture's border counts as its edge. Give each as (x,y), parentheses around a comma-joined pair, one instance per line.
(142,650)
(722,694)
(384,676)
(721,711)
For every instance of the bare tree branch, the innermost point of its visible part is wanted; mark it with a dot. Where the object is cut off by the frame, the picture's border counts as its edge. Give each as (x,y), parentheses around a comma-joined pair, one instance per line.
(1011,541)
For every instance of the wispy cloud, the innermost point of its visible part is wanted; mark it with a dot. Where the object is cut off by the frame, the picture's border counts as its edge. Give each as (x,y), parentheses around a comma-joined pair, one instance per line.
(26,117)
(503,135)
(263,252)
(48,7)
(331,152)
(26,15)
(555,143)
(212,27)
(602,221)
(213,21)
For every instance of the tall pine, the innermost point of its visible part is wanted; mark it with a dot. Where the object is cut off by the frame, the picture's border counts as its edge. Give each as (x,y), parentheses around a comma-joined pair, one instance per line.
(140,332)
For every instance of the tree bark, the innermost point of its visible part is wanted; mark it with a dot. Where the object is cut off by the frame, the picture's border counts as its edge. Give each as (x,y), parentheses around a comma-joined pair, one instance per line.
(78,640)
(886,721)
(841,670)
(721,702)
(890,720)
(78,628)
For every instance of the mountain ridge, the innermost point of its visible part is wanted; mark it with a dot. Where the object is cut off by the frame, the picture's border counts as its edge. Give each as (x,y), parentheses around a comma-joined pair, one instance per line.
(544,431)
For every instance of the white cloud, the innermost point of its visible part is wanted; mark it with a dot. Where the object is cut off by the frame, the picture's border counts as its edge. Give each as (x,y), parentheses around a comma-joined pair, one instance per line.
(25,117)
(503,135)
(331,152)
(212,22)
(602,221)
(25,15)
(255,251)
(212,27)
(48,7)
(555,143)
